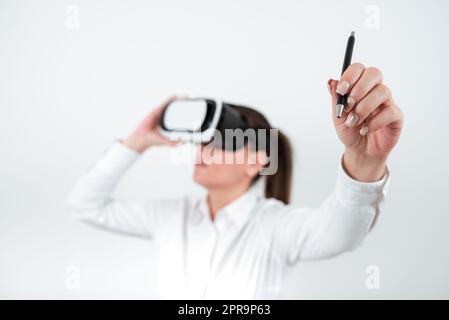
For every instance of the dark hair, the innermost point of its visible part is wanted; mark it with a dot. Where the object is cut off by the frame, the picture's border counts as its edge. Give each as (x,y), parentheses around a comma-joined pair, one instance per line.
(279,184)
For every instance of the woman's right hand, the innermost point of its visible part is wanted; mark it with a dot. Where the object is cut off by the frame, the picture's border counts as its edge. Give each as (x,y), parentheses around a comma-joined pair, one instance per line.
(146,134)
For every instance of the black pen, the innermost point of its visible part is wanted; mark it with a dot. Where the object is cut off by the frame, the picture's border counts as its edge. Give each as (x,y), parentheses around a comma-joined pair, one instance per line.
(346,63)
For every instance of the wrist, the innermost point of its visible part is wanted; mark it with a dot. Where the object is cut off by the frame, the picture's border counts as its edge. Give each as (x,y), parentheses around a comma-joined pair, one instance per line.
(136,142)
(362,167)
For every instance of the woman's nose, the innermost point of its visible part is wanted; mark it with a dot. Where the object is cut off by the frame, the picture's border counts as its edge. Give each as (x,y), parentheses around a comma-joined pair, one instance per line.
(205,154)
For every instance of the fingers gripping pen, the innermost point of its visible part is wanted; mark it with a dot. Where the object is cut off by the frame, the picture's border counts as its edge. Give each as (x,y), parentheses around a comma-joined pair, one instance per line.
(346,63)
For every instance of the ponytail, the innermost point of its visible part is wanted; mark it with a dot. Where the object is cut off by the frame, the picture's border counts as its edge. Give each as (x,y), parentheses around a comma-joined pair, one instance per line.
(279,185)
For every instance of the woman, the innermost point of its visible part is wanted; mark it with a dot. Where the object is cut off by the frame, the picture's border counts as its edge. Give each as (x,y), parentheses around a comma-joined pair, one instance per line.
(237,241)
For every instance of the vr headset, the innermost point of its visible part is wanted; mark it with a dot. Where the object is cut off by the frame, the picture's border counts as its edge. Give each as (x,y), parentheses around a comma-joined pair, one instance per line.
(204,121)
(201,120)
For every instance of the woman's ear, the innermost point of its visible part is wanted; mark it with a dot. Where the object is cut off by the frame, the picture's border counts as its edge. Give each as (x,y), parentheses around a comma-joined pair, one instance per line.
(257,161)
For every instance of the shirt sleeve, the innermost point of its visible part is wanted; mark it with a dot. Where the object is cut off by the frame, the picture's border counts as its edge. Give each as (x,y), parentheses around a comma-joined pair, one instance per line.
(338,225)
(90,200)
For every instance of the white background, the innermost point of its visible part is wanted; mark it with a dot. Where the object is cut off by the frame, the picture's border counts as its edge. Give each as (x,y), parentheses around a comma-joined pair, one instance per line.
(67,90)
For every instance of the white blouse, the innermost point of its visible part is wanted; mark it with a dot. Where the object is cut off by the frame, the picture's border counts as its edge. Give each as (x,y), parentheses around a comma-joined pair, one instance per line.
(244,252)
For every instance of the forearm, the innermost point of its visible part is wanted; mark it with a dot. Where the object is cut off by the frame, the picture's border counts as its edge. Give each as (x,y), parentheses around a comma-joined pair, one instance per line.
(91,200)
(94,187)
(340,223)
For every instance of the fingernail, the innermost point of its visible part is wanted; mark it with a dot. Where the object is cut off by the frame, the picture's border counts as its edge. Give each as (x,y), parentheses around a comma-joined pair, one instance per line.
(329,86)
(343,87)
(352,119)
(363,130)
(350,102)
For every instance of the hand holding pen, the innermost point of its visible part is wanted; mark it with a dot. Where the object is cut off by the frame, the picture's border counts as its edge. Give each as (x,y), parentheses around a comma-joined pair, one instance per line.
(368,121)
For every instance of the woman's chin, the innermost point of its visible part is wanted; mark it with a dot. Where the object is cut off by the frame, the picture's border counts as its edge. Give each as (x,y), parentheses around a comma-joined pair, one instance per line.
(199,175)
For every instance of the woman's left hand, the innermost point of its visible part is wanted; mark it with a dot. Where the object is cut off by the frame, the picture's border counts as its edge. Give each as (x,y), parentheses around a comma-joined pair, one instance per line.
(371,123)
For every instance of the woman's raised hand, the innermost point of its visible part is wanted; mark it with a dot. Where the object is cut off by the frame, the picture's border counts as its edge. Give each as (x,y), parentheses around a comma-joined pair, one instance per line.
(371,124)
(146,134)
